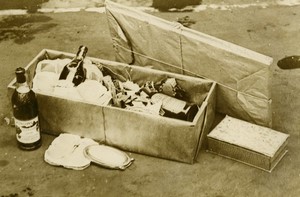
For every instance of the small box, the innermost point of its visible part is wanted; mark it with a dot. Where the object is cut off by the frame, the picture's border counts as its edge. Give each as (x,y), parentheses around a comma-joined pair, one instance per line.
(248,143)
(131,131)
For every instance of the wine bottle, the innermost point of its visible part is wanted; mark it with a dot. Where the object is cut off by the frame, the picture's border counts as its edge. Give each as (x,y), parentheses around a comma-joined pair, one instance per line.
(25,112)
(74,71)
(175,108)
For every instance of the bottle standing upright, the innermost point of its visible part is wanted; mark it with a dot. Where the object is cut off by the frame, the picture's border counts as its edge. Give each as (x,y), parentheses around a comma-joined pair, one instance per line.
(25,112)
(74,71)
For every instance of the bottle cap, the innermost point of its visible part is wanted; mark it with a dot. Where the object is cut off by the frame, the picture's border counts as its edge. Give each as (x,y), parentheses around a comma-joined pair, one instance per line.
(20,74)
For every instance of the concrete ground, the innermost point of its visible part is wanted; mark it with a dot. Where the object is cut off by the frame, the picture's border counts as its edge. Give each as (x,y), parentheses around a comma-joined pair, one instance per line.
(273,31)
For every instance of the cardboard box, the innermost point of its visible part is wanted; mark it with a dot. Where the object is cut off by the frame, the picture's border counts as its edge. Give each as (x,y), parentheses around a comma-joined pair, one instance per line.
(131,131)
(251,144)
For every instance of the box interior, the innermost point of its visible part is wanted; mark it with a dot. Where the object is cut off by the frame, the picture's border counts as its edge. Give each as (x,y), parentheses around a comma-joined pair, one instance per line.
(173,139)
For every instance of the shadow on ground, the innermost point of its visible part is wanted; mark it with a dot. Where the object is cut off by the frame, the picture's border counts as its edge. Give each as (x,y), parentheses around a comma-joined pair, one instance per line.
(22,28)
(32,5)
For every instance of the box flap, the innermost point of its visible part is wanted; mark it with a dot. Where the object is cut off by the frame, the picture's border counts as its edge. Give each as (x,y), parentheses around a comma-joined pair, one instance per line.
(242,75)
(249,136)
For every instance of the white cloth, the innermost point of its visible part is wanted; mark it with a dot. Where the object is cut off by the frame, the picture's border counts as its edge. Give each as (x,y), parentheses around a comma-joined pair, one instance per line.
(67,150)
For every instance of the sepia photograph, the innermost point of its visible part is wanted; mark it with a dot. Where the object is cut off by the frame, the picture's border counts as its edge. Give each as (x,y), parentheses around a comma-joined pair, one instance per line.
(150,98)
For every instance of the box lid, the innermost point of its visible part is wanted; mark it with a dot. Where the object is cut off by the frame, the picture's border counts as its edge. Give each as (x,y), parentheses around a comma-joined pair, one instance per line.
(242,75)
(250,136)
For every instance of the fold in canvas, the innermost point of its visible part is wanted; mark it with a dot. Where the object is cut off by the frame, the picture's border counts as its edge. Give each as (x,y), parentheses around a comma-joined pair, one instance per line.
(242,75)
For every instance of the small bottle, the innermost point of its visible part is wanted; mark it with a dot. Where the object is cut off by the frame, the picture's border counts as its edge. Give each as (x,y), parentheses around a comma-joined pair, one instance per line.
(175,108)
(25,112)
(74,71)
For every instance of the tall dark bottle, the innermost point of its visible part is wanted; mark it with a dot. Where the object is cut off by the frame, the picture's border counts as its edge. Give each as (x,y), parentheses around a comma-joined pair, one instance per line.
(74,71)
(25,112)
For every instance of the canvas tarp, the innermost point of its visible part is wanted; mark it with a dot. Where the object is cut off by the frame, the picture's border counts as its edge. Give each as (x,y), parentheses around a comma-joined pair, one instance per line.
(243,76)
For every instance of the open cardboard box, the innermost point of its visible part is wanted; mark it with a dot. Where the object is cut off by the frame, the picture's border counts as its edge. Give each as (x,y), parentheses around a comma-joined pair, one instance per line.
(130,131)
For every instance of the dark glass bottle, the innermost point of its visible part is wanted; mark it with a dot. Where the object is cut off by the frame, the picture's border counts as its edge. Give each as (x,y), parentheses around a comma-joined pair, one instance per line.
(74,71)
(175,108)
(25,112)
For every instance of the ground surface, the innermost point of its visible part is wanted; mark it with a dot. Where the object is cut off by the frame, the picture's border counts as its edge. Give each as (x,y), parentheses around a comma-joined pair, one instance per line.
(273,31)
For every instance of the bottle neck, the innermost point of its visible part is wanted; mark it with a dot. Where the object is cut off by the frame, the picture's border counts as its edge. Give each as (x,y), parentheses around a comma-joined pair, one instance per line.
(75,63)
(80,56)
(81,52)
(23,88)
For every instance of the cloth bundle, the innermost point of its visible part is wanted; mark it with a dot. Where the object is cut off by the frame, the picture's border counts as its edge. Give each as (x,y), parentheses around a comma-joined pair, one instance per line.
(74,152)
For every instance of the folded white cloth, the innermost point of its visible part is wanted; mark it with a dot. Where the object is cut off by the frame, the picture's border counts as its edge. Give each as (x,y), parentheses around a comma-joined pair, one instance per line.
(74,152)
(67,150)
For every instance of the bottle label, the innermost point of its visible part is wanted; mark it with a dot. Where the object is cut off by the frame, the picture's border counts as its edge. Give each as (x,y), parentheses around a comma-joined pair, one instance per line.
(169,103)
(27,131)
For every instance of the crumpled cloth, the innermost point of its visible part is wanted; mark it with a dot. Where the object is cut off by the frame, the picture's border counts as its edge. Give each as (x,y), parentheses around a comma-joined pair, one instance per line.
(67,150)
(75,152)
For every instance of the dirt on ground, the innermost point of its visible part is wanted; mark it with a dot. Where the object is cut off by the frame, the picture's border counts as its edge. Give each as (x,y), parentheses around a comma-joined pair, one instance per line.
(273,31)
